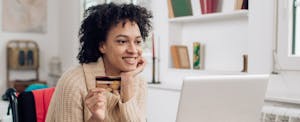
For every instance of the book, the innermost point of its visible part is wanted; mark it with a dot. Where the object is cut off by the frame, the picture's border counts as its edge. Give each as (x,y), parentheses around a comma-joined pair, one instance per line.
(181,8)
(203,4)
(245,4)
(238,4)
(209,6)
(196,7)
(170,9)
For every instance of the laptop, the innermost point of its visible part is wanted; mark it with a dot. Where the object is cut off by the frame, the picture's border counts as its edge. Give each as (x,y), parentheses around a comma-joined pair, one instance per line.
(224,98)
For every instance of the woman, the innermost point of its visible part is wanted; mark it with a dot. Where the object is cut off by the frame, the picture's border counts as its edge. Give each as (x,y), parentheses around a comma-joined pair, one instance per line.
(111,37)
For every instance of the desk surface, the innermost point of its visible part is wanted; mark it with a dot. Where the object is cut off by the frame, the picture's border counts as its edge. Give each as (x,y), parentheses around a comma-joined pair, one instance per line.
(272,97)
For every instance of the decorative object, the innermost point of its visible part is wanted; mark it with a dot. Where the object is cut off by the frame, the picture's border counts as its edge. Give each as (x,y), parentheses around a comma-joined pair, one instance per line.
(180,56)
(24,16)
(198,55)
(245,63)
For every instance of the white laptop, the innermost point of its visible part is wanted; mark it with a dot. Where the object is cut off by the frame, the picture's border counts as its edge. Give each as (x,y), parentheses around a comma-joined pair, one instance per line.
(226,98)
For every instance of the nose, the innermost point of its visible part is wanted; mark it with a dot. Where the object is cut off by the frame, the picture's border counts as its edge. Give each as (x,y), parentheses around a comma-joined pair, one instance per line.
(132,48)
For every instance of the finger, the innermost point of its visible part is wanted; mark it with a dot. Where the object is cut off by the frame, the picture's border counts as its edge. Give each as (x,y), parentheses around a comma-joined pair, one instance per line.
(95,99)
(91,92)
(141,60)
(99,105)
(97,90)
(92,95)
(116,92)
(98,98)
(139,69)
(98,101)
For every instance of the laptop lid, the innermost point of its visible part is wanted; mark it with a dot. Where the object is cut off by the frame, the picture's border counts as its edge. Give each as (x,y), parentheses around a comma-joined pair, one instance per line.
(226,98)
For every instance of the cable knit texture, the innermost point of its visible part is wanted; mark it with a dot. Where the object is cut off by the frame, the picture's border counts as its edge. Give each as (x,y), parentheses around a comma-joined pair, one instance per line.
(67,103)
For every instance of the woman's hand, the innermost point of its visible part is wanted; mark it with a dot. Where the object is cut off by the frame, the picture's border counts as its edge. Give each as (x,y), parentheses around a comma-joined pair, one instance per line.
(95,101)
(127,81)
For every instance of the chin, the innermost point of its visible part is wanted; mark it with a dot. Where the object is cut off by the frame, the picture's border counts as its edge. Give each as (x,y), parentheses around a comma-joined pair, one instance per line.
(129,68)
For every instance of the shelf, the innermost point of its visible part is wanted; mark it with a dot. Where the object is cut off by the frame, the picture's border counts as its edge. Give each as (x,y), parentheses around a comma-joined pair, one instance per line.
(213,16)
(206,72)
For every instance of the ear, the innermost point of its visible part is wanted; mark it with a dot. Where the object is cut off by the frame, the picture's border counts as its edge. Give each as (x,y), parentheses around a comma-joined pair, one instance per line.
(102,48)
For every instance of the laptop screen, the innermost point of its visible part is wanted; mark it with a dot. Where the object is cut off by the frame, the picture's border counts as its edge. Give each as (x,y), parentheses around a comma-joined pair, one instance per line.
(226,98)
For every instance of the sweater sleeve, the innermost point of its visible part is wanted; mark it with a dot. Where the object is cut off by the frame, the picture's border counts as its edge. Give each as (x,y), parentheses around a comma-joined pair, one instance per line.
(134,110)
(67,103)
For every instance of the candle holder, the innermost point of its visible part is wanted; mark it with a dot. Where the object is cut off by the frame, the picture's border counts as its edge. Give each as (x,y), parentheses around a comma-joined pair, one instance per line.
(154,47)
(153,72)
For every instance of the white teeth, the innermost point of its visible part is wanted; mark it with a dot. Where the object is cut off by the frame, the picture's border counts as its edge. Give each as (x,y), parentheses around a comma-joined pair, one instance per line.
(130,60)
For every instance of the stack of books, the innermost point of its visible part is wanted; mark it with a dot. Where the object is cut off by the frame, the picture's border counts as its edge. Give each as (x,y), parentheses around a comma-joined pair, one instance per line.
(179,8)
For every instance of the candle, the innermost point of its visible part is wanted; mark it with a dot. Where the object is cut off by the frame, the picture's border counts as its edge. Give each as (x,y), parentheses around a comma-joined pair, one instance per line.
(153,47)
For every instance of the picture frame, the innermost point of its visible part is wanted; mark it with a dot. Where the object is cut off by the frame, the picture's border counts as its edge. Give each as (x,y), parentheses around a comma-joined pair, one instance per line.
(24,16)
(180,57)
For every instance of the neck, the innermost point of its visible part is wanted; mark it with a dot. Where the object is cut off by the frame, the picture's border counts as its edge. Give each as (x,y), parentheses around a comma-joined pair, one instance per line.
(109,71)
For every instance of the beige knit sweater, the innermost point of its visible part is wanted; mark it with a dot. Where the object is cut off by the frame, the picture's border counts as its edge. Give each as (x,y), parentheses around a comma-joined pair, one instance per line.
(67,103)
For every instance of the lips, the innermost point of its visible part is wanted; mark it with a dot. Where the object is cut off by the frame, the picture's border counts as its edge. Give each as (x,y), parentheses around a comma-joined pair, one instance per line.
(130,60)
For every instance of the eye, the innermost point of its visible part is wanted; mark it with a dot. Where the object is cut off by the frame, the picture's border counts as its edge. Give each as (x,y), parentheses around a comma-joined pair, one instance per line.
(139,42)
(122,41)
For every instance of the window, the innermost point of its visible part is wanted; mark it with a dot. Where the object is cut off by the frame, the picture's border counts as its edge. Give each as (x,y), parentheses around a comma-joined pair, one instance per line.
(288,34)
(88,3)
(296,28)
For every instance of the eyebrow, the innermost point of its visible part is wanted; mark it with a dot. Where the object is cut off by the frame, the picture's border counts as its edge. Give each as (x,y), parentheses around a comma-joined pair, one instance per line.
(125,36)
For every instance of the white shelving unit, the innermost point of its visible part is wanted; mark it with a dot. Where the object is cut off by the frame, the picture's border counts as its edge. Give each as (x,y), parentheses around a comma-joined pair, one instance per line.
(227,32)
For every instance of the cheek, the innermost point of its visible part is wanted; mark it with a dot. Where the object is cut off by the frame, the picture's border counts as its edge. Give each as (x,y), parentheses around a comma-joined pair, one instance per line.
(117,51)
(140,51)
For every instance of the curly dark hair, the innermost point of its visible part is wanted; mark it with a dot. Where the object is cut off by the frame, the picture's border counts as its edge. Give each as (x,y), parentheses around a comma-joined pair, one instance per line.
(99,19)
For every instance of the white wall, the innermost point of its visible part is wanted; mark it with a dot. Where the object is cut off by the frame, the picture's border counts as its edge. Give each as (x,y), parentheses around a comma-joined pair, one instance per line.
(69,17)
(48,43)
(260,46)
(260,36)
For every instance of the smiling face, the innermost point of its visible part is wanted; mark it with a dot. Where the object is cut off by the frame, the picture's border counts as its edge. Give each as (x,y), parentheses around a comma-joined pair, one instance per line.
(122,49)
